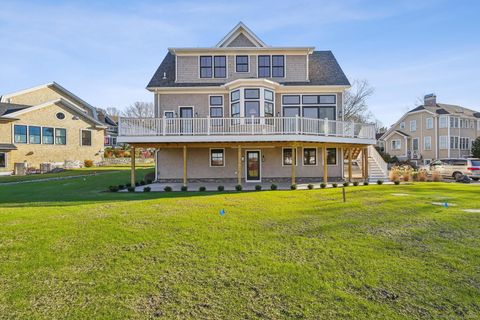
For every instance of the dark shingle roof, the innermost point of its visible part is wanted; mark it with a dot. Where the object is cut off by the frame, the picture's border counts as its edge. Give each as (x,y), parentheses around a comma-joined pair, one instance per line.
(402,133)
(417,109)
(476,114)
(442,111)
(6,108)
(7,146)
(324,70)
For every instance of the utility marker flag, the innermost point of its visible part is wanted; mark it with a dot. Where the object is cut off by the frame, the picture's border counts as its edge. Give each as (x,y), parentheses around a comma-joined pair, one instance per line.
(222,212)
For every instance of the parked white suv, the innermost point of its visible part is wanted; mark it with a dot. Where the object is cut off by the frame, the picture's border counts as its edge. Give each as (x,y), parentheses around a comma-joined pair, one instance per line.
(456,168)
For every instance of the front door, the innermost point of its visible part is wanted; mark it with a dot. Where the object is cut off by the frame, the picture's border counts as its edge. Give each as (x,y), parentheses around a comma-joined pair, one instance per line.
(186,124)
(253,166)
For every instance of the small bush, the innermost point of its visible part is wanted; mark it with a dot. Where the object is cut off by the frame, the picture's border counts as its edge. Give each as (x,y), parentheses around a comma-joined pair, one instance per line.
(220,188)
(310,186)
(273,186)
(407,175)
(379,182)
(147,189)
(355,183)
(346,184)
(167,189)
(113,188)
(142,183)
(149,181)
(436,176)
(258,187)
(131,189)
(397,182)
(202,188)
(137,183)
(293,187)
(334,185)
(394,175)
(422,176)
(238,187)
(121,187)
(365,183)
(184,188)
(323,185)
(128,185)
(88,163)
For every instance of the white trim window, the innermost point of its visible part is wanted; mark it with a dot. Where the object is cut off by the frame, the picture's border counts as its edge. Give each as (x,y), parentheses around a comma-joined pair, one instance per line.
(3,160)
(429,123)
(443,122)
(217,157)
(427,143)
(443,142)
(169,114)
(61,136)
(402,125)
(288,157)
(454,143)
(48,135)
(20,133)
(413,125)
(309,156)
(34,135)
(242,64)
(86,137)
(216,106)
(396,144)
(235,103)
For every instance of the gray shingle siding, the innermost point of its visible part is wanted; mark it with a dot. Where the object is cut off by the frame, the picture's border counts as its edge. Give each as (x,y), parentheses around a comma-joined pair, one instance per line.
(323,70)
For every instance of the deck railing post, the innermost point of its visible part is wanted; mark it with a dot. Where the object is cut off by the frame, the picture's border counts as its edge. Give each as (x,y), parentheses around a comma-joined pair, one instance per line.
(296,124)
(208,125)
(326,126)
(164,125)
(253,127)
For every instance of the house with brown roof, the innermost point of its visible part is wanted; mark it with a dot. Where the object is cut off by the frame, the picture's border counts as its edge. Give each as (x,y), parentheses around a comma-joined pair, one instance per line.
(431,131)
(48,124)
(243,111)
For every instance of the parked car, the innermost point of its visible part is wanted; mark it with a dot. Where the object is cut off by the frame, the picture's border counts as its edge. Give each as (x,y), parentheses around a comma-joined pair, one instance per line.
(456,168)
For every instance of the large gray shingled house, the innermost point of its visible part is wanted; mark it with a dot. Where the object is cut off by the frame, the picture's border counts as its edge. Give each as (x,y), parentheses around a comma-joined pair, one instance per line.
(243,111)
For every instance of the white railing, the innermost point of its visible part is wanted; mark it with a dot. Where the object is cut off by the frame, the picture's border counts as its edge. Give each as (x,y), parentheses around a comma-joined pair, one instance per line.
(373,153)
(244,126)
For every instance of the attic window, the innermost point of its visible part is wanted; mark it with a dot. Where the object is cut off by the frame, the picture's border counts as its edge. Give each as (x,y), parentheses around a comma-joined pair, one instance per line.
(60,115)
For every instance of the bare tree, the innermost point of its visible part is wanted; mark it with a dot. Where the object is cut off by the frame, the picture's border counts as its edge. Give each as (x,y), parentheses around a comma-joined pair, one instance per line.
(355,101)
(113,111)
(140,110)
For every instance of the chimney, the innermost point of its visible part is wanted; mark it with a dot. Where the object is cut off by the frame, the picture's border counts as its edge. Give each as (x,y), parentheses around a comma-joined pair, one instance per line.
(430,100)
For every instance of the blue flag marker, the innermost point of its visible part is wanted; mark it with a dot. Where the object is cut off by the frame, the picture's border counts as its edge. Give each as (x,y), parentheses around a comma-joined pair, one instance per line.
(446,204)
(222,212)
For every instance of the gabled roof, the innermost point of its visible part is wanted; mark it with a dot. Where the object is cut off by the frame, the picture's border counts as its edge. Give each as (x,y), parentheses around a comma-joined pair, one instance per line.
(64,102)
(52,84)
(7,108)
(324,70)
(241,29)
(7,146)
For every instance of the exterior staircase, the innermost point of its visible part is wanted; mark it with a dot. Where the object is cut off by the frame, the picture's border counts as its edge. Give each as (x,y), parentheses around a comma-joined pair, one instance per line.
(377,167)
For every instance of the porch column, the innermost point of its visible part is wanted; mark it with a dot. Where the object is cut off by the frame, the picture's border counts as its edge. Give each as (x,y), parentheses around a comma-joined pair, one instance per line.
(363,163)
(239,165)
(350,164)
(185,165)
(132,166)
(366,163)
(294,163)
(325,172)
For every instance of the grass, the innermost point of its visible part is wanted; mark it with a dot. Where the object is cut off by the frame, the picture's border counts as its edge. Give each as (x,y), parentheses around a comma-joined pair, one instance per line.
(66,173)
(68,250)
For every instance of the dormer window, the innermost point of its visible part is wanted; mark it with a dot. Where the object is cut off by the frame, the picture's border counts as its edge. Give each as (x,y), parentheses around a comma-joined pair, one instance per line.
(215,66)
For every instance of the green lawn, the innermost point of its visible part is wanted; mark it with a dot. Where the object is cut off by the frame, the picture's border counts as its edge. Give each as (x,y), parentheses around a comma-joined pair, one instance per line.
(68,250)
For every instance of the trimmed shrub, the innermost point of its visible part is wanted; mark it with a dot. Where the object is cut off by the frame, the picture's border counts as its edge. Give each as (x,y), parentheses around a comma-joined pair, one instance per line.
(113,188)
(131,189)
(142,183)
(355,183)
(258,187)
(334,185)
(121,187)
(310,186)
(128,185)
(147,189)
(167,189)
(273,186)
(397,182)
(293,187)
(346,184)
(220,188)
(323,185)
(184,188)
(379,182)
(365,183)
(436,176)
(202,188)
(422,176)
(88,163)
(238,187)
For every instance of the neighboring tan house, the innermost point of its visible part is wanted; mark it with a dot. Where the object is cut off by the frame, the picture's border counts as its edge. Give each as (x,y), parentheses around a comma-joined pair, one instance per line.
(244,111)
(432,131)
(48,124)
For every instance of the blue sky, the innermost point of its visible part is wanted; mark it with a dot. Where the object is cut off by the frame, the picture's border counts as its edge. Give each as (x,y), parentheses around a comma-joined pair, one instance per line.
(106,52)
